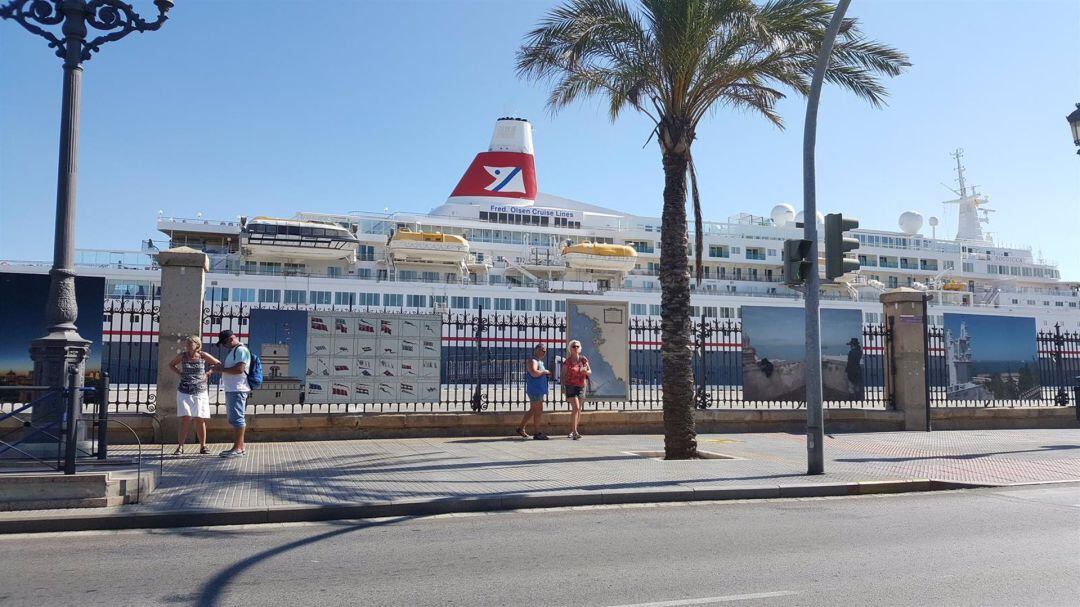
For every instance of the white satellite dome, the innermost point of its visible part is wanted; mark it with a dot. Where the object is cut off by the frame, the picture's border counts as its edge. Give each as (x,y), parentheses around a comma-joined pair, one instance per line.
(820,218)
(782,214)
(910,222)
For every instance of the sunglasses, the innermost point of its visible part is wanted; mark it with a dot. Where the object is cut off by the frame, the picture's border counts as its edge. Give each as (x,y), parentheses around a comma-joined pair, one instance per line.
(575,347)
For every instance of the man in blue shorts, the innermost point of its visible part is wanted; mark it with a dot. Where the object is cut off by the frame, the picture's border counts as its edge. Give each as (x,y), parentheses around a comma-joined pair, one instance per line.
(234,367)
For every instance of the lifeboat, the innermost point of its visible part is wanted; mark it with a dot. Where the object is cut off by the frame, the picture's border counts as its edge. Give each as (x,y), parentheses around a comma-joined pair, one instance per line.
(605,257)
(435,247)
(290,238)
(954,286)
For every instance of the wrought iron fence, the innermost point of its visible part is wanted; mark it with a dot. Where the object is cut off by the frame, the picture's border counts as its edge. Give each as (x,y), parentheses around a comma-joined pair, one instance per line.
(1046,381)
(483,355)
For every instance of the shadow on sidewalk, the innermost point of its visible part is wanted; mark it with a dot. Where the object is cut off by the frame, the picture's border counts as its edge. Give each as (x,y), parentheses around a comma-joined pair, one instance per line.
(962,456)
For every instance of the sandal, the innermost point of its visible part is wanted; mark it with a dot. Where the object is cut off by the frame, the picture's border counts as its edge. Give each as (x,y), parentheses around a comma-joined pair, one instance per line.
(204,450)
(179,450)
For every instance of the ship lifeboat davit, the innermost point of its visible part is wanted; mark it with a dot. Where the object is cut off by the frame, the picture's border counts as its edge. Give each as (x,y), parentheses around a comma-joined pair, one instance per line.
(434,247)
(605,257)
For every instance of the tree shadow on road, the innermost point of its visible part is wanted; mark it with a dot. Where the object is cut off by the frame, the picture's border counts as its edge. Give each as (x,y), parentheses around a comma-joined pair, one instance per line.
(215,588)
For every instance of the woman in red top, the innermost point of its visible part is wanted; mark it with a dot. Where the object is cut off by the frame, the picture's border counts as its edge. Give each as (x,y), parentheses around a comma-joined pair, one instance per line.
(575,373)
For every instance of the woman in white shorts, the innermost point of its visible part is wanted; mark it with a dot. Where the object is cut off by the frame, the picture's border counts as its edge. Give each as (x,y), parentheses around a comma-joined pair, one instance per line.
(192,398)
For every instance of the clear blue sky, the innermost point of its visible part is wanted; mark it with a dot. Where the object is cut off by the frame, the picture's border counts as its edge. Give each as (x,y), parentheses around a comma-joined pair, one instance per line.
(276,106)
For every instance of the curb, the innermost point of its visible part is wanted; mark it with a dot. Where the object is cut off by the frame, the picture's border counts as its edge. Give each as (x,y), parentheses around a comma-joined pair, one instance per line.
(122,518)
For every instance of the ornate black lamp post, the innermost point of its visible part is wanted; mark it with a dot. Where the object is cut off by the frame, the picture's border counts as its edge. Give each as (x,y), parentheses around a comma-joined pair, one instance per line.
(63,349)
(1074,125)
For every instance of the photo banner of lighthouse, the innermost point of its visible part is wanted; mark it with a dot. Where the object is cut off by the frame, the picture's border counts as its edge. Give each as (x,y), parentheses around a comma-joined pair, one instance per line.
(355,357)
(774,354)
(991,357)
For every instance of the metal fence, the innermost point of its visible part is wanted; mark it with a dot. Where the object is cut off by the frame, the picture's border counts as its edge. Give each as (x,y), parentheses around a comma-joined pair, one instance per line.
(1046,381)
(483,358)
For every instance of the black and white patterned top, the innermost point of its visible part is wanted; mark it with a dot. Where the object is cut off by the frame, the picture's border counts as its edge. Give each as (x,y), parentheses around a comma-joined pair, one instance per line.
(192,376)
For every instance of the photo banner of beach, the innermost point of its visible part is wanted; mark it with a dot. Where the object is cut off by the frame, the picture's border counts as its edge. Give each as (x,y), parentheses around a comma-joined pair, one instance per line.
(279,337)
(991,357)
(774,354)
(22,320)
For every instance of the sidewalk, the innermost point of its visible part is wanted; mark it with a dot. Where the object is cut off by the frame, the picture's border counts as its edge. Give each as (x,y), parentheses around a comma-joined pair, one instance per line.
(280,482)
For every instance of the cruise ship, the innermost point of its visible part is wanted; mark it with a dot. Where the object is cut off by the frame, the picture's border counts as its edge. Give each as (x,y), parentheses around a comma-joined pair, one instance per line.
(500,245)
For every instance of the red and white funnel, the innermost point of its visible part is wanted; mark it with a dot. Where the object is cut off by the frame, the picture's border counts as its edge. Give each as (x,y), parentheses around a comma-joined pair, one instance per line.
(503,174)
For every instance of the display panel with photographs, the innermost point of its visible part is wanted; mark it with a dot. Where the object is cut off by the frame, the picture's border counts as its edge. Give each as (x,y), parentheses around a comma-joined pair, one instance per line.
(774,354)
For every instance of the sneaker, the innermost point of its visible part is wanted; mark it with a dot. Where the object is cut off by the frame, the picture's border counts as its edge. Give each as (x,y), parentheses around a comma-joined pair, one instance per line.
(232,453)
(575,435)
(522,433)
(540,436)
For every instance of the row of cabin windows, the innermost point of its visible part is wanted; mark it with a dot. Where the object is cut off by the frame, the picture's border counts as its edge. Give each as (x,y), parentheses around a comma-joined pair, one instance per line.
(270,229)
(534,220)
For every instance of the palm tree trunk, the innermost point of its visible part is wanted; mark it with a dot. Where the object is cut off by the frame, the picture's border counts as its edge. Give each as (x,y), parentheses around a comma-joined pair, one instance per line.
(680,439)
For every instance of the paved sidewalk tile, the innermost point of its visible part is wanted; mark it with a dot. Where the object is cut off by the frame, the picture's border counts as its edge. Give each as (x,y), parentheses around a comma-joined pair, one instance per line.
(328,473)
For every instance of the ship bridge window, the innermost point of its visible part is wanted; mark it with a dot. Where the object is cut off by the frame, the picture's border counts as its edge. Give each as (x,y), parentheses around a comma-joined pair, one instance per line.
(295,297)
(344,299)
(368,299)
(502,303)
(523,305)
(481,302)
(459,303)
(320,297)
(269,296)
(243,295)
(543,305)
(216,294)
(416,301)
(560,305)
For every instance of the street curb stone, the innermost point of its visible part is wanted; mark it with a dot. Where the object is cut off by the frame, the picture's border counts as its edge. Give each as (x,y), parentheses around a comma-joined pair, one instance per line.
(118,518)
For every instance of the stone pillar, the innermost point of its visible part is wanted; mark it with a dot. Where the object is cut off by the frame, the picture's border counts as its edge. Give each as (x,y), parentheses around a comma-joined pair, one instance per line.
(906,375)
(183,273)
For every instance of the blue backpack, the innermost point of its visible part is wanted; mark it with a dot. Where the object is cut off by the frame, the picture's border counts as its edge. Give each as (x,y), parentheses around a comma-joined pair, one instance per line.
(254,374)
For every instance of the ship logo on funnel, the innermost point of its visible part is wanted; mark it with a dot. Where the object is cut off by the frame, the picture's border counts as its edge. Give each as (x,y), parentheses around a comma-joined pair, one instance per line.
(506,179)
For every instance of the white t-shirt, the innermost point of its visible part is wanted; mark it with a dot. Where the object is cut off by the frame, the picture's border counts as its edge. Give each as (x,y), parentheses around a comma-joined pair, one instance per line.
(236,382)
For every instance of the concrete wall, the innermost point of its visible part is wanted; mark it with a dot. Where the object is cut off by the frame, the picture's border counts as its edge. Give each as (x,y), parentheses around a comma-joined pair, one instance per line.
(268,428)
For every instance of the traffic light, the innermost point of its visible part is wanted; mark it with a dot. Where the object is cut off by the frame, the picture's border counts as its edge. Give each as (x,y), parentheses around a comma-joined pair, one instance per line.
(836,245)
(797,263)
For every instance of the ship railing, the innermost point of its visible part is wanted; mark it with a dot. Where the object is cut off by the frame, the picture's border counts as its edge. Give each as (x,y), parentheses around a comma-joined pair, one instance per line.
(198,221)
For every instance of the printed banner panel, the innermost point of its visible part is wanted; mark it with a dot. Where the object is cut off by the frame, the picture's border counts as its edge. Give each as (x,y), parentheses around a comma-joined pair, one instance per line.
(991,357)
(603,328)
(774,354)
(23,298)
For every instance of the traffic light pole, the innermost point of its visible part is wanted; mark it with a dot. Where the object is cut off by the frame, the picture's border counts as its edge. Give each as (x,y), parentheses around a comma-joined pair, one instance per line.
(815,426)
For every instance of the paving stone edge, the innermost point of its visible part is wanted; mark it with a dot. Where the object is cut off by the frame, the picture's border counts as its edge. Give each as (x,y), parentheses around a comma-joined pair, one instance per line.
(91,520)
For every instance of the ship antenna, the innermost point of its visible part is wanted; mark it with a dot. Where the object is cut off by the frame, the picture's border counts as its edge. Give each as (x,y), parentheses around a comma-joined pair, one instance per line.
(958,154)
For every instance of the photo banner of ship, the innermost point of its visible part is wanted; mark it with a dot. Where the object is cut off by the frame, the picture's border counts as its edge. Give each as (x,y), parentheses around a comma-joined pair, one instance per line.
(357,357)
(991,357)
(279,337)
(774,354)
(22,320)
(603,328)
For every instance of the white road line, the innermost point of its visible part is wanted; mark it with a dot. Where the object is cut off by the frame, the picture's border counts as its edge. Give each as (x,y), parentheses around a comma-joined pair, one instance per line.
(714,599)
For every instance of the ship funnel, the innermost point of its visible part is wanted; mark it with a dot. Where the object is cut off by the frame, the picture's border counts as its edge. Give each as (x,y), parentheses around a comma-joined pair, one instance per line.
(506,173)
(512,135)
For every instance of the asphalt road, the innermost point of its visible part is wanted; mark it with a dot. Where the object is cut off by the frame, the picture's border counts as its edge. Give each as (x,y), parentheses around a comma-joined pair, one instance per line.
(1017,546)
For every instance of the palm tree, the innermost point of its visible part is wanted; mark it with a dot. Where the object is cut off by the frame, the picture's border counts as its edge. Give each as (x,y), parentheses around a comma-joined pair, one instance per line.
(674,60)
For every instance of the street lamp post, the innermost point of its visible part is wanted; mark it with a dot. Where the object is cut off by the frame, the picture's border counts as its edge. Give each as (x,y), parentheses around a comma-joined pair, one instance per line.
(1074,126)
(63,349)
